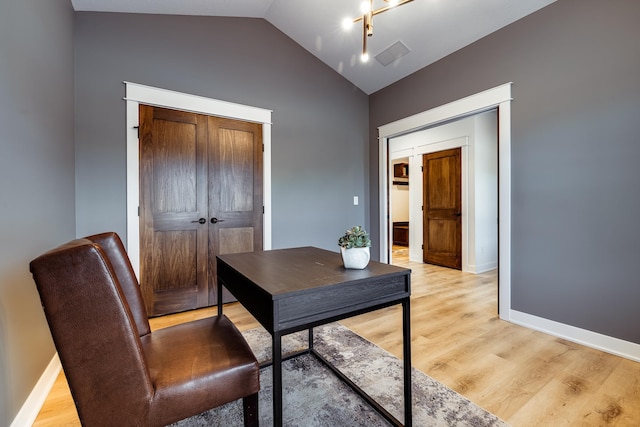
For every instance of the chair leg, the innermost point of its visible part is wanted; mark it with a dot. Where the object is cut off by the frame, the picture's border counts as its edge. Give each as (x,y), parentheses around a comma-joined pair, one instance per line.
(250,405)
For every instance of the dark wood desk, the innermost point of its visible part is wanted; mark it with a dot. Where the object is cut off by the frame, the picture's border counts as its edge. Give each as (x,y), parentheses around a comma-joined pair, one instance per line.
(290,290)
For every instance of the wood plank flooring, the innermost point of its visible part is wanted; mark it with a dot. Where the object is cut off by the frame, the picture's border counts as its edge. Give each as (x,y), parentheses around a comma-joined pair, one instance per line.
(525,377)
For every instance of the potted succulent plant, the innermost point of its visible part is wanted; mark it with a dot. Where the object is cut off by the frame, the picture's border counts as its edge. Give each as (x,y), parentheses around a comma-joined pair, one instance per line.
(354,247)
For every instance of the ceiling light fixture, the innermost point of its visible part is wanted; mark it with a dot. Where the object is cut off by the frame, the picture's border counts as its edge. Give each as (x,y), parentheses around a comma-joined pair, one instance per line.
(367,20)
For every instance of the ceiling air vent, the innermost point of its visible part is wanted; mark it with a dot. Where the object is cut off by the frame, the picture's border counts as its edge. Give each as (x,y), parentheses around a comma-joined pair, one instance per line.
(393,52)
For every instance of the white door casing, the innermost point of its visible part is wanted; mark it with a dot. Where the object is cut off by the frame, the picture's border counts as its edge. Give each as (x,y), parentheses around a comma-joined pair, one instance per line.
(137,94)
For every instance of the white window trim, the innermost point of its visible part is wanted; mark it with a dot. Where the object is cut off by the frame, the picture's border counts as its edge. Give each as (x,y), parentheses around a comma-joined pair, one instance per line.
(137,94)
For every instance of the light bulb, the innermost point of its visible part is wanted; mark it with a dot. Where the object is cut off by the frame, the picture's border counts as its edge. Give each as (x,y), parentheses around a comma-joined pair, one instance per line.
(365,7)
(364,57)
(347,24)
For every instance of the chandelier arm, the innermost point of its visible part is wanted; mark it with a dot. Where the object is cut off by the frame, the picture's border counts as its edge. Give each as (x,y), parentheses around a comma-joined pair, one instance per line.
(364,39)
(382,9)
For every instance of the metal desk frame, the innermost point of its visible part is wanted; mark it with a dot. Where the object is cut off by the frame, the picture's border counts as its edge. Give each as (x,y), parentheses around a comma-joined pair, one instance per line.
(316,290)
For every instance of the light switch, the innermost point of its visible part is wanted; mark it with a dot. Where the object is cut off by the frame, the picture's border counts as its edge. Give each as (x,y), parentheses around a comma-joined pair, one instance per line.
(355,200)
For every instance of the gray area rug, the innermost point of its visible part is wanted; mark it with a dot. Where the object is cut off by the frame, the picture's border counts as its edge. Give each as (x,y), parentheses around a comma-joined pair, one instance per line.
(314,396)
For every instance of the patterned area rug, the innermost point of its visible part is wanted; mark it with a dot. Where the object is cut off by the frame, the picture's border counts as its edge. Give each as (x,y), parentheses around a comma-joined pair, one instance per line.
(314,396)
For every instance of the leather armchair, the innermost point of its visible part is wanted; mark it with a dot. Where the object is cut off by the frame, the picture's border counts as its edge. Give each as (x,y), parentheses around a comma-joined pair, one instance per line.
(121,373)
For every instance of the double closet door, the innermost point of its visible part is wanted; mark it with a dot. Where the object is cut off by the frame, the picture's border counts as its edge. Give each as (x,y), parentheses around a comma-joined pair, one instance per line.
(200,196)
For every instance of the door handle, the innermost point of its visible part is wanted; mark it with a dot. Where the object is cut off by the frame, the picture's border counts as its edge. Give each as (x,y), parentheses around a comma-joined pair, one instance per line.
(200,221)
(215,220)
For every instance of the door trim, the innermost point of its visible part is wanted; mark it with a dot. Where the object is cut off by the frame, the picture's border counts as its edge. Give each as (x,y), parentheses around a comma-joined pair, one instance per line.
(137,94)
(498,97)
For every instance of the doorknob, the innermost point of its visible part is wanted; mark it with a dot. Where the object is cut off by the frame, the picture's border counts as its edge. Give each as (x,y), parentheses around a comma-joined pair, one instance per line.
(200,221)
(215,220)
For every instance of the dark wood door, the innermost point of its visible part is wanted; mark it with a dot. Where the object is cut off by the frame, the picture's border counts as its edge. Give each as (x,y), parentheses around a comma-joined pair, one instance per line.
(442,207)
(193,172)
(235,192)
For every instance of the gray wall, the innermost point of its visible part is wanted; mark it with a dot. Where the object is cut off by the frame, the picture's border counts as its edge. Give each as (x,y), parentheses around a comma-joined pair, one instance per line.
(575,68)
(36,179)
(320,121)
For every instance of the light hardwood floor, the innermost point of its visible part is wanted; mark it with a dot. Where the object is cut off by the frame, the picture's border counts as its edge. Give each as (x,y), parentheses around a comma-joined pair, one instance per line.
(525,377)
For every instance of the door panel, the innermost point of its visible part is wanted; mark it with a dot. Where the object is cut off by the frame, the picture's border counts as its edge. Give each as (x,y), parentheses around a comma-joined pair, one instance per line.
(235,240)
(234,171)
(442,205)
(174,168)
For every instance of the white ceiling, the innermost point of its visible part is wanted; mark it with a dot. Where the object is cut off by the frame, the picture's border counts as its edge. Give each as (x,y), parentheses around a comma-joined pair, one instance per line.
(431,29)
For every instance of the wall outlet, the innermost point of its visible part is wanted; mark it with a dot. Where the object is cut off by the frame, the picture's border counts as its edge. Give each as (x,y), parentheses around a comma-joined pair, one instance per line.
(355,200)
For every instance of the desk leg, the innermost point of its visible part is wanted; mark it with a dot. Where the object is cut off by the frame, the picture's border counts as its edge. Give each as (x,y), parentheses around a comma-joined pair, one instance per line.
(406,344)
(276,356)
(219,298)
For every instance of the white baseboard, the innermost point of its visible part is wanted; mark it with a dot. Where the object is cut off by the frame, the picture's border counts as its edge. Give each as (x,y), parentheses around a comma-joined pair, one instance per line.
(482,268)
(31,407)
(595,340)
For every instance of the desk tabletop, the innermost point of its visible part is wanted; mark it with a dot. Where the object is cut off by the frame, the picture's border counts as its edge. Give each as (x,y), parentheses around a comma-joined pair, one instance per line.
(298,270)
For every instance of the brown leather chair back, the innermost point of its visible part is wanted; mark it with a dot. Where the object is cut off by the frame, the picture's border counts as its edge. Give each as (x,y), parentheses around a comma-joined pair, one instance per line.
(114,249)
(95,333)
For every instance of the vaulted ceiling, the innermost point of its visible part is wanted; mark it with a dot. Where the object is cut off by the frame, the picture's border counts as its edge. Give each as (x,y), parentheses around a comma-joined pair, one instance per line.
(428,29)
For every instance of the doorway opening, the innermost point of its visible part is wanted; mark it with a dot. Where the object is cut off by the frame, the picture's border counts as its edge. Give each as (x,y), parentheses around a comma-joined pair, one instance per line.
(453,219)
(498,98)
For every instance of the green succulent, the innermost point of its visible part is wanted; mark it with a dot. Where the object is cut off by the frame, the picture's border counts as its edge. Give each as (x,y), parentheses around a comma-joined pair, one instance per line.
(355,237)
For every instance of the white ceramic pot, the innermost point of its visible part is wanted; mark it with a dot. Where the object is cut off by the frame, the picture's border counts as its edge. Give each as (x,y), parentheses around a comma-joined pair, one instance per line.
(355,258)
